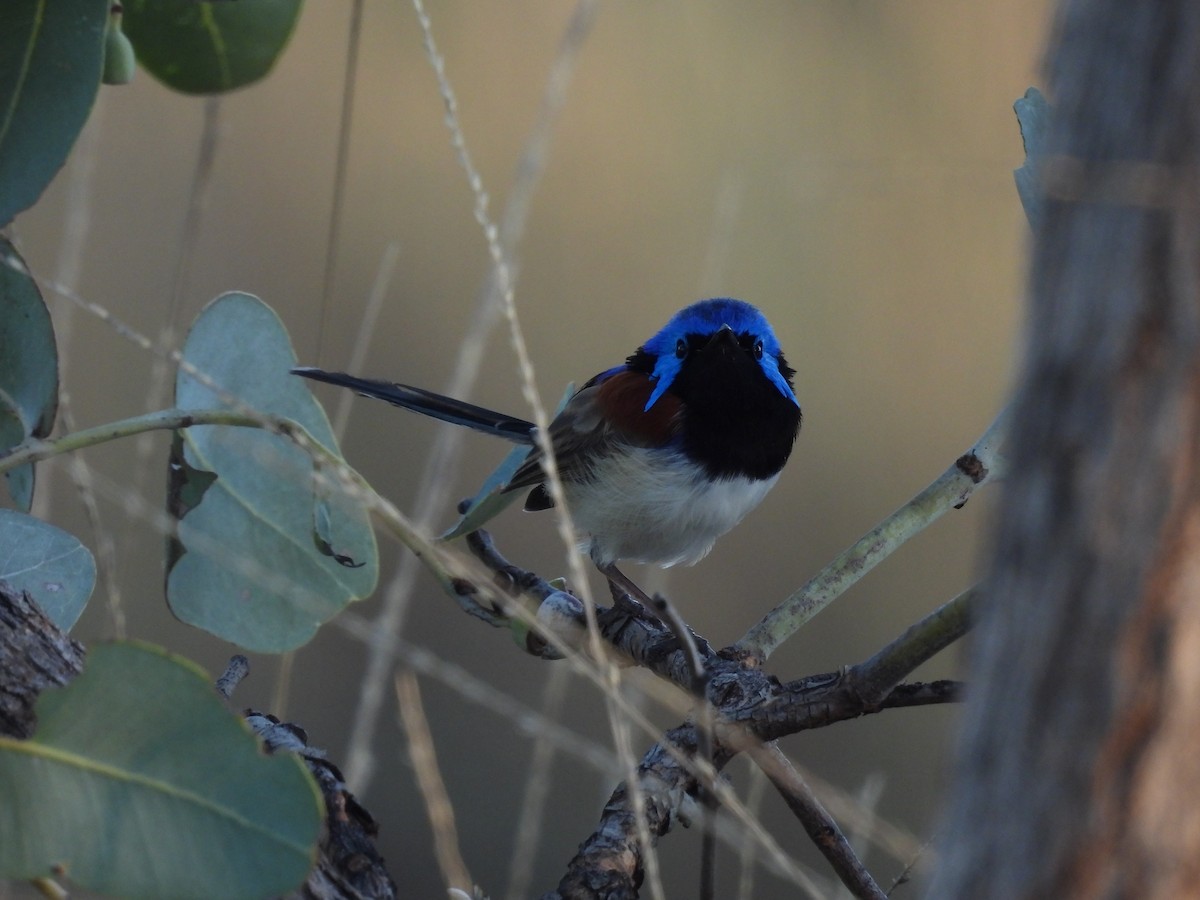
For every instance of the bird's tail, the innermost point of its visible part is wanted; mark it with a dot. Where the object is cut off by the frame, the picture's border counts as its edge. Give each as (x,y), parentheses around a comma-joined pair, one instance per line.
(430,404)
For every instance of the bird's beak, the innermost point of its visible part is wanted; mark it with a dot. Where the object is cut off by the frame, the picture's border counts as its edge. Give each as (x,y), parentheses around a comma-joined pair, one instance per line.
(724,335)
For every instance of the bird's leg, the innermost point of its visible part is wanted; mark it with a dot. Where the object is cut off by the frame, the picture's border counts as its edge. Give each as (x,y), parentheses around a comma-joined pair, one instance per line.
(622,581)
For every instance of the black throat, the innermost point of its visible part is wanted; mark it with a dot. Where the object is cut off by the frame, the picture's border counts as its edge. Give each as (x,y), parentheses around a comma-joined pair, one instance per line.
(734,421)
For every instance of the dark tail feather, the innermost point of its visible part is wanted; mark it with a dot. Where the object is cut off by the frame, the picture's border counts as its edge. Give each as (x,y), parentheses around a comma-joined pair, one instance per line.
(428,403)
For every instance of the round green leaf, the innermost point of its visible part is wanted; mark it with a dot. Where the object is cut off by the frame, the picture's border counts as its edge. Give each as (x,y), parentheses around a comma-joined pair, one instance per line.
(209,48)
(140,783)
(47,562)
(264,554)
(28,366)
(50,57)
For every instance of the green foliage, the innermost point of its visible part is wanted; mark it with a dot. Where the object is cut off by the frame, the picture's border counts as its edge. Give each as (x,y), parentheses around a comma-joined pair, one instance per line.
(56,570)
(139,782)
(208,48)
(265,553)
(50,55)
(28,366)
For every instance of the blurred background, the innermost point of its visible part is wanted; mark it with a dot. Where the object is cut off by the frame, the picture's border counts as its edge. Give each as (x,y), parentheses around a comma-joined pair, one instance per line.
(844,165)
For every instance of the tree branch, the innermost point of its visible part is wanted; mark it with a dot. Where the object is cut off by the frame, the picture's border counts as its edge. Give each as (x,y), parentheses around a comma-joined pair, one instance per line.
(817,822)
(875,678)
(752,708)
(980,465)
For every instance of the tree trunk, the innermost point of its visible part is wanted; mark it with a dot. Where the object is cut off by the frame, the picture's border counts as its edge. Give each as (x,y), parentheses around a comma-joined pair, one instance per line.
(1079,766)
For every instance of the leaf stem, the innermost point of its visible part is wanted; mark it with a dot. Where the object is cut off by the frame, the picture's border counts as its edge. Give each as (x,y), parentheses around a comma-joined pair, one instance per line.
(35,450)
(395,522)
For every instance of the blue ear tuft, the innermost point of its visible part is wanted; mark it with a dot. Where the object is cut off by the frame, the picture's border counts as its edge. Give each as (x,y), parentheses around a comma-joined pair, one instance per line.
(664,373)
(706,317)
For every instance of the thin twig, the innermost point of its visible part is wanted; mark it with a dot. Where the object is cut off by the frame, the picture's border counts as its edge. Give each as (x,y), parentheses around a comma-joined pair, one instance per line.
(198,197)
(341,166)
(859,830)
(366,328)
(524,719)
(636,792)
(444,456)
(76,228)
(746,855)
(429,780)
(731,191)
(433,555)
(896,842)
(283,683)
(235,672)
(566,528)
(537,789)
(818,824)
(102,536)
(704,741)
(906,872)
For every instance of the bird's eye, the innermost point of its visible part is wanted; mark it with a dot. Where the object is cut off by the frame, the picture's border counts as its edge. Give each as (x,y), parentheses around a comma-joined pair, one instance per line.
(681,348)
(758,348)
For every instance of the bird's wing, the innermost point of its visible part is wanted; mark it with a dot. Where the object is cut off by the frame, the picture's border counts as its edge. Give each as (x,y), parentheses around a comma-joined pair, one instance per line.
(607,413)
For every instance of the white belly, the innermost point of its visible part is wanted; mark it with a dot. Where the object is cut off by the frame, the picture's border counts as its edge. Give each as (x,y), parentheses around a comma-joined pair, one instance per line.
(668,514)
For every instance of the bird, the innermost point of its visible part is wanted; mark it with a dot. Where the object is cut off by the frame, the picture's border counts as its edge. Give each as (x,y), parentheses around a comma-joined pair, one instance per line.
(659,456)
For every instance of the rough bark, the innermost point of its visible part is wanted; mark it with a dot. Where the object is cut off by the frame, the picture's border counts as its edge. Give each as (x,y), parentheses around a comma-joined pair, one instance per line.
(349,866)
(35,654)
(1079,771)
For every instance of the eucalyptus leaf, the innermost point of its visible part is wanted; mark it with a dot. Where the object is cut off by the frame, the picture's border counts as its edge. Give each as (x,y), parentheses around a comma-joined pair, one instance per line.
(248,564)
(50,58)
(28,366)
(140,783)
(209,48)
(47,562)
